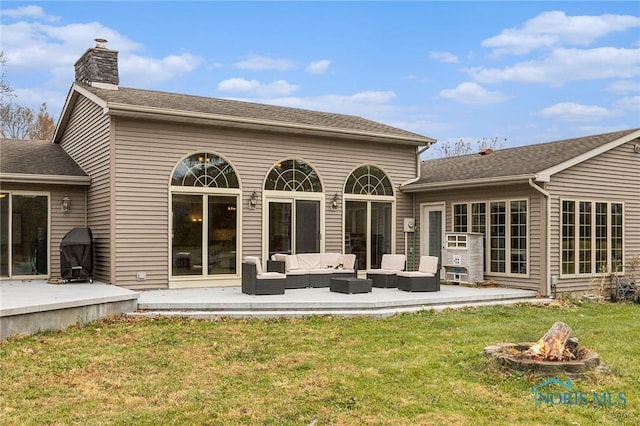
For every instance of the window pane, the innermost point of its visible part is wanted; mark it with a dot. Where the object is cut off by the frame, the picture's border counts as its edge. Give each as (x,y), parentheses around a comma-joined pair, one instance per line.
(293,175)
(584,238)
(568,237)
(380,232)
(4,234)
(307,226)
(601,237)
(205,170)
(29,239)
(368,180)
(280,220)
(479,224)
(518,237)
(498,230)
(355,230)
(616,234)
(222,244)
(186,247)
(459,218)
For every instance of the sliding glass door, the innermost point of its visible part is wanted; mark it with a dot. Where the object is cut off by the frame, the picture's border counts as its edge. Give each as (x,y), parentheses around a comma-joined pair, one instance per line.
(294,226)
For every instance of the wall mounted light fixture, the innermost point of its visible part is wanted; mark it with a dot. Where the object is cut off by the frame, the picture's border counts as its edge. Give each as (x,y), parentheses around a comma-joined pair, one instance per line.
(65,204)
(253,201)
(335,202)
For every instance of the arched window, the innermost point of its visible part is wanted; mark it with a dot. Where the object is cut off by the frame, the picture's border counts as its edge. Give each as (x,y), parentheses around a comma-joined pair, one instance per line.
(206,170)
(294,216)
(205,196)
(368,180)
(293,175)
(368,218)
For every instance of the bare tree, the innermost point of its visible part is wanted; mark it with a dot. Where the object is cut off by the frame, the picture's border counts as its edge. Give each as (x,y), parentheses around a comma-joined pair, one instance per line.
(18,122)
(462,147)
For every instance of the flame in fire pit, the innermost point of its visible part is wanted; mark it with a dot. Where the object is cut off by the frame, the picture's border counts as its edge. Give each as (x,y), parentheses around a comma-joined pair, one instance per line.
(553,345)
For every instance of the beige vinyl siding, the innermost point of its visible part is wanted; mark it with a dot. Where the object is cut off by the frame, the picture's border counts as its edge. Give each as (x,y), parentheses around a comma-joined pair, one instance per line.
(613,176)
(534,279)
(147,152)
(86,139)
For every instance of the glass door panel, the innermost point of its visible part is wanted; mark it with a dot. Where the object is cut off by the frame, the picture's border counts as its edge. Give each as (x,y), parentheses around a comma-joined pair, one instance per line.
(280,214)
(222,229)
(355,231)
(307,226)
(187,225)
(380,232)
(4,234)
(435,233)
(29,234)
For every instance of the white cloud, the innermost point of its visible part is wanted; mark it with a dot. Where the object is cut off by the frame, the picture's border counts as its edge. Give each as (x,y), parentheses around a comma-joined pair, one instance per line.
(631,103)
(318,67)
(256,88)
(373,97)
(555,28)
(571,111)
(143,71)
(564,65)
(472,94)
(444,57)
(36,47)
(257,62)
(35,12)
(624,86)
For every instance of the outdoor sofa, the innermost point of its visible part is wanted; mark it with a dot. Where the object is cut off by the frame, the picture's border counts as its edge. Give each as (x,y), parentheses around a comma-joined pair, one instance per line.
(257,282)
(313,269)
(386,275)
(426,278)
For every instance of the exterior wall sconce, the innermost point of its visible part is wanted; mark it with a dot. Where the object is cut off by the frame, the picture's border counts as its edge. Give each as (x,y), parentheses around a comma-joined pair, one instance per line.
(253,201)
(335,202)
(65,204)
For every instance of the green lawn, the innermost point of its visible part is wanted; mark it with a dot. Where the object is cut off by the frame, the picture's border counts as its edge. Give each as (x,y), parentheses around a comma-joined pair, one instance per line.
(424,368)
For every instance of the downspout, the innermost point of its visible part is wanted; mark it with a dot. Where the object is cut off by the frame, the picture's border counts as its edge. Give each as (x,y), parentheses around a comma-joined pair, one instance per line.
(547,271)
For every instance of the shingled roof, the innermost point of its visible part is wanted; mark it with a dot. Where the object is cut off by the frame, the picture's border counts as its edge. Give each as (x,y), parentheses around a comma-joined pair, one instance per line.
(30,161)
(510,164)
(130,100)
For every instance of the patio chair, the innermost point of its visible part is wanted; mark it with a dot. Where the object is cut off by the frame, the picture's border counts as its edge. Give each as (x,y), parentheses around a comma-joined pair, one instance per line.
(386,275)
(257,282)
(426,278)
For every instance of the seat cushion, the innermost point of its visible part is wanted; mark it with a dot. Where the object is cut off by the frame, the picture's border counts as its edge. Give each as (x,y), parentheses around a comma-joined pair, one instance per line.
(392,261)
(415,274)
(428,264)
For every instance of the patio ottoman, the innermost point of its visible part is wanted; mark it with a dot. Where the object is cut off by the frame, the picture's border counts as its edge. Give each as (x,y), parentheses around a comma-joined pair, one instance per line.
(350,285)
(417,283)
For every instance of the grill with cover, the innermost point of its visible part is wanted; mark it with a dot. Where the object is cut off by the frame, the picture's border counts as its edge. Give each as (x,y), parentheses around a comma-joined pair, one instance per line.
(76,255)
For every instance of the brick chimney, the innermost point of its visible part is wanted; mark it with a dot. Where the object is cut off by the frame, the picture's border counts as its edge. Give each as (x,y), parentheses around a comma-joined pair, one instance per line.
(98,67)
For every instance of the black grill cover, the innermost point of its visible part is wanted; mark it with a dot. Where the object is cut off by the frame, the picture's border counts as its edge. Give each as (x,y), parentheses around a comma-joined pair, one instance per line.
(76,255)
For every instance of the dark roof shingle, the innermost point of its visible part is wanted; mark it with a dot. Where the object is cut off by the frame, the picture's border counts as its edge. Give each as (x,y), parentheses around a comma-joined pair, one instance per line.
(31,157)
(249,110)
(508,162)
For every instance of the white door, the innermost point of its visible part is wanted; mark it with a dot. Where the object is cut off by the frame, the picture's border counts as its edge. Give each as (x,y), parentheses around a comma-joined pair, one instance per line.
(432,225)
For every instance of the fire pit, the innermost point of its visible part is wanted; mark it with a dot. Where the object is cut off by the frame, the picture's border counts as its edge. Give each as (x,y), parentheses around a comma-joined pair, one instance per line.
(553,353)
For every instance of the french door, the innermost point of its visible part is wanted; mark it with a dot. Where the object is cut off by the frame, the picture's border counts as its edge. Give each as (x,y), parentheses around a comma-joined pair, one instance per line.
(368,231)
(294,226)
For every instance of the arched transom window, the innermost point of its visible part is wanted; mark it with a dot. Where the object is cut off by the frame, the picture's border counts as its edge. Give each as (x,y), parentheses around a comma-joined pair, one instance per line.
(368,180)
(293,175)
(205,170)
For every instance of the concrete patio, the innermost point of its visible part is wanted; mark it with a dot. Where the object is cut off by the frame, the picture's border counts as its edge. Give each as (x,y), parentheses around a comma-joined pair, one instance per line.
(28,307)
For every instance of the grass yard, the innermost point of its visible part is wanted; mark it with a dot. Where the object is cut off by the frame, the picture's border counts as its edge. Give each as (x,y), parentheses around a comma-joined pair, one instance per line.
(412,369)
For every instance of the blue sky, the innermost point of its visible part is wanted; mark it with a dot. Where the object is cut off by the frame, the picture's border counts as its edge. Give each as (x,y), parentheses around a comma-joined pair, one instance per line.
(524,72)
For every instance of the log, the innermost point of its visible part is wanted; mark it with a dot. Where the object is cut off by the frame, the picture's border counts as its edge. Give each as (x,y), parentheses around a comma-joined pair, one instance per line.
(551,346)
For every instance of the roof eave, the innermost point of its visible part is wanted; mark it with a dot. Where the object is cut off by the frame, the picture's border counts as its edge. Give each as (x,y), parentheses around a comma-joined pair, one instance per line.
(45,179)
(468,183)
(69,103)
(119,109)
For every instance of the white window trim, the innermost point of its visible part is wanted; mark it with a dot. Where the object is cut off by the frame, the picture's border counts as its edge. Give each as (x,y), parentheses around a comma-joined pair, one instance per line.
(576,236)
